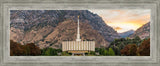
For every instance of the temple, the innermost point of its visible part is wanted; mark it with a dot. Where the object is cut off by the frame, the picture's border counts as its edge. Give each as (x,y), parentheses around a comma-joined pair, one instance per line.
(78,46)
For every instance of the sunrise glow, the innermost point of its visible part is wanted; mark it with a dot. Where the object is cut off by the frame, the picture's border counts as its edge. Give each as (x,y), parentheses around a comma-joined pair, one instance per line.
(124,20)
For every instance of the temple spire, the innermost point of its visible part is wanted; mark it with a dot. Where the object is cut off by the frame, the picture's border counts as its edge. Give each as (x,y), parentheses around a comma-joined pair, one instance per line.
(78,32)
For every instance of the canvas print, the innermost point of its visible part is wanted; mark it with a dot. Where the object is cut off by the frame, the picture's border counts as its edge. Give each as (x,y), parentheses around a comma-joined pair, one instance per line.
(93,32)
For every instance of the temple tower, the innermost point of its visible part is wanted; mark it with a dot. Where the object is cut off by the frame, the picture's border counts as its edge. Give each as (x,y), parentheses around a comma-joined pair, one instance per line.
(78,31)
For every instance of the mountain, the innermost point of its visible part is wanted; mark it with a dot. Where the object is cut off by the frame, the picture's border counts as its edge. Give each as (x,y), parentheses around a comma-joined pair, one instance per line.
(47,28)
(67,30)
(143,32)
(126,34)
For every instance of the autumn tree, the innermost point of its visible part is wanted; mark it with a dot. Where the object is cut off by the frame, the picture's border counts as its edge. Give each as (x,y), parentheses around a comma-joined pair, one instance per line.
(15,48)
(30,49)
(144,48)
(129,50)
(118,44)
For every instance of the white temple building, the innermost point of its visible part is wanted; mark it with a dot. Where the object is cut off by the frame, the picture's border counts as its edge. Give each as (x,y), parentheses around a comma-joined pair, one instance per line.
(78,46)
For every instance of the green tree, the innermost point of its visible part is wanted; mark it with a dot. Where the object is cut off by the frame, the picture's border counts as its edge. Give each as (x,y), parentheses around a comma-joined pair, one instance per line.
(50,52)
(111,52)
(65,54)
(102,51)
(106,52)
(137,38)
(91,53)
(43,51)
(116,50)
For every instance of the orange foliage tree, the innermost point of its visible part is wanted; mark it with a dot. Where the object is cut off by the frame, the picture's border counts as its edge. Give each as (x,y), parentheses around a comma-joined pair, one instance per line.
(129,50)
(15,48)
(30,49)
(144,48)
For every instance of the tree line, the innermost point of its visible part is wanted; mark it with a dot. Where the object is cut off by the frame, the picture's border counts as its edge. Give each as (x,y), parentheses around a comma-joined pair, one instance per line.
(119,47)
(131,47)
(30,49)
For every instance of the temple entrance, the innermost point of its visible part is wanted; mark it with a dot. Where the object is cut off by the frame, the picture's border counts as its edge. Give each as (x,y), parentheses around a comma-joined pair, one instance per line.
(78,54)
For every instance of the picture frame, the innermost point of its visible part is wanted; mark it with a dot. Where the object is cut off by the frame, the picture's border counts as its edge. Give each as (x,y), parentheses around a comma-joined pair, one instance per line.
(7,60)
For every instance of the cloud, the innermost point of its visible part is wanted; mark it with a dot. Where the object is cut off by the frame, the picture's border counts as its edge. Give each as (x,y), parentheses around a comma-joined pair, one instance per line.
(124,18)
(117,28)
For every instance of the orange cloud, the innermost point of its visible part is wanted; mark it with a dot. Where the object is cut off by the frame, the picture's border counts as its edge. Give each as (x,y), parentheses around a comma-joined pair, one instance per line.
(124,19)
(125,26)
(118,28)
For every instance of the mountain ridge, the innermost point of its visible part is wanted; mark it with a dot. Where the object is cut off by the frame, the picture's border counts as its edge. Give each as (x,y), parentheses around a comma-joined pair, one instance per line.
(126,34)
(36,26)
(143,32)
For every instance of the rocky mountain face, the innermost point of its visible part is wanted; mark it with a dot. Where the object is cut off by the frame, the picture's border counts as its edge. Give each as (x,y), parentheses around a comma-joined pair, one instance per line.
(67,31)
(126,34)
(48,28)
(143,32)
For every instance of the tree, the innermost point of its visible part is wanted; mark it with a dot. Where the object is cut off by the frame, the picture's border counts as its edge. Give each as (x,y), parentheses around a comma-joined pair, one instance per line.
(31,49)
(118,44)
(102,51)
(105,52)
(144,48)
(59,50)
(121,46)
(91,53)
(97,49)
(50,52)
(65,54)
(16,49)
(129,50)
(43,51)
(116,50)
(111,52)
(137,40)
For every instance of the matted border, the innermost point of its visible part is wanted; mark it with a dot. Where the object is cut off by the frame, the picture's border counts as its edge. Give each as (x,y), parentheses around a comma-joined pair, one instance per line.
(8,60)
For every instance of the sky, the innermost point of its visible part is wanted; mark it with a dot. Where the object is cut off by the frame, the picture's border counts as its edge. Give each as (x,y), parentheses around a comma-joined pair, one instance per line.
(123,20)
